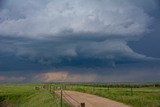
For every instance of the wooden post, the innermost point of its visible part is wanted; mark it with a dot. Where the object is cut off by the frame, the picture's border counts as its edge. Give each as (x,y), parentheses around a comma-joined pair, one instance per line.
(82,104)
(50,87)
(131,90)
(108,88)
(61,96)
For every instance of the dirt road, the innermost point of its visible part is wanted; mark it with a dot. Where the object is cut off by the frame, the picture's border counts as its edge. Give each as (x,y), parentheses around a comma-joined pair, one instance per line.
(75,98)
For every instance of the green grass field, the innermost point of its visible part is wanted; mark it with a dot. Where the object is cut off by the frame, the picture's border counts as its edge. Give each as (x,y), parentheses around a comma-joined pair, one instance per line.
(27,96)
(136,97)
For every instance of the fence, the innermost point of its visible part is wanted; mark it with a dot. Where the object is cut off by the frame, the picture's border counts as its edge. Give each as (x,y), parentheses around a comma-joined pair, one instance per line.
(68,98)
(105,91)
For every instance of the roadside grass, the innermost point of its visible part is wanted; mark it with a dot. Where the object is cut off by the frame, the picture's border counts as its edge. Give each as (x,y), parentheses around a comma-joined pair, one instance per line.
(10,93)
(42,98)
(25,95)
(138,97)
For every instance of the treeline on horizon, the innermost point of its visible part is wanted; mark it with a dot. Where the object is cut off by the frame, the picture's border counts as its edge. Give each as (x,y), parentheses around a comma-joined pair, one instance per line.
(114,85)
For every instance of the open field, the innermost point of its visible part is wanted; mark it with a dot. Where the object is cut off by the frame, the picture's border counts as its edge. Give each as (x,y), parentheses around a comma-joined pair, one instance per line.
(27,96)
(42,95)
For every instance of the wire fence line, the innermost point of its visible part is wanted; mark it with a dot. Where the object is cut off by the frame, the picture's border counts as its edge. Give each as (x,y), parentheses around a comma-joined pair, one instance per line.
(72,98)
(68,98)
(107,90)
(68,101)
(73,101)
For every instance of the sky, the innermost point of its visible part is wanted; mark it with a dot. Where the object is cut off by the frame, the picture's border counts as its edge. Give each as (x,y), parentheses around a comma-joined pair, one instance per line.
(79,41)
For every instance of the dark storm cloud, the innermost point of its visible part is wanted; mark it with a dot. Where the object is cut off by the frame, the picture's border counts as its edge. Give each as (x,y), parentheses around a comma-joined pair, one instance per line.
(1,2)
(61,51)
(122,73)
(38,36)
(148,45)
(67,34)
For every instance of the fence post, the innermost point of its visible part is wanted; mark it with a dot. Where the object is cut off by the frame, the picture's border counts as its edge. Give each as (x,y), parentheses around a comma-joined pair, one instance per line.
(131,90)
(50,87)
(82,104)
(108,87)
(61,96)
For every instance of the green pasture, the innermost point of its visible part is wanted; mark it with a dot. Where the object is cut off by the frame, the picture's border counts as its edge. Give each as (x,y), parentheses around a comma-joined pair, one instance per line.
(136,97)
(25,95)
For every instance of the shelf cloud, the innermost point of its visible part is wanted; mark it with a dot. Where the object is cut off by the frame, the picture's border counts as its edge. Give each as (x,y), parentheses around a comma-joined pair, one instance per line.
(72,33)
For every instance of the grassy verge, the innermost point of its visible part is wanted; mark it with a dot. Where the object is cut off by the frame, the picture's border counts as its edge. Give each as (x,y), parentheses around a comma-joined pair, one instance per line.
(27,96)
(139,97)
(42,98)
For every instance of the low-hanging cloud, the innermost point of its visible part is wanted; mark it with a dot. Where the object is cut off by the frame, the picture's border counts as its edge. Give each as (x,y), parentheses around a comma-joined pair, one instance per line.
(67,32)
